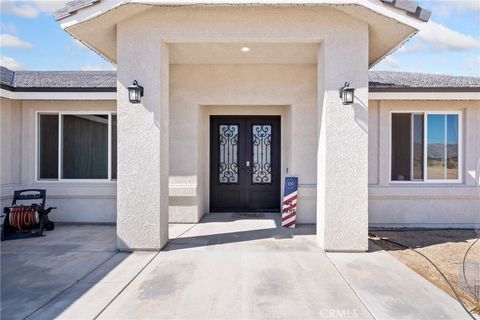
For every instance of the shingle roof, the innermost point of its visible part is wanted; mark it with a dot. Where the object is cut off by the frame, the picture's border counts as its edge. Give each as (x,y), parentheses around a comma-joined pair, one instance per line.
(409,6)
(62,80)
(388,80)
(6,77)
(72,7)
(107,81)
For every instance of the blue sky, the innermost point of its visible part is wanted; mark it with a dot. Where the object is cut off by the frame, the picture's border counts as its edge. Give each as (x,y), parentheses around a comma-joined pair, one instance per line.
(32,40)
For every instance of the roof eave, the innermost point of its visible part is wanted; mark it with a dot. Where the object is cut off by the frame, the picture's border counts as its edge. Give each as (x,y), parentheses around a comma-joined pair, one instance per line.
(393,9)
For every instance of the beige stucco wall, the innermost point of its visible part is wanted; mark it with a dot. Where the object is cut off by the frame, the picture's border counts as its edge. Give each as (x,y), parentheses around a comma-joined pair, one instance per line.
(390,204)
(76,202)
(10,146)
(423,204)
(285,90)
(345,223)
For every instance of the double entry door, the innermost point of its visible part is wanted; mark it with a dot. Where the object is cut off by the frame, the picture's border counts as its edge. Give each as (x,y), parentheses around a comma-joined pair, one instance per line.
(245,163)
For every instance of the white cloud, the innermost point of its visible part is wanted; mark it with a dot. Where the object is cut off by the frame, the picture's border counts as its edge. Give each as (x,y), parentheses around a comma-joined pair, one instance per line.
(465,5)
(31,8)
(8,27)
(49,5)
(392,63)
(8,40)
(21,9)
(89,67)
(10,63)
(412,48)
(445,8)
(436,37)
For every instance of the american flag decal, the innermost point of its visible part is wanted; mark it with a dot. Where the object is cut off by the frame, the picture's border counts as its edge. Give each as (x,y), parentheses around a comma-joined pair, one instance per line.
(289,207)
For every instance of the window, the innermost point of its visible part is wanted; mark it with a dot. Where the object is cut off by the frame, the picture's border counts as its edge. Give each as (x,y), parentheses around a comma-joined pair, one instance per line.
(425,147)
(228,153)
(77,146)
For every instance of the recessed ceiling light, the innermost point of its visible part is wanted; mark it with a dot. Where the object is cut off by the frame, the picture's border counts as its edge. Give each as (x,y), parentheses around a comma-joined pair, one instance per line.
(245,49)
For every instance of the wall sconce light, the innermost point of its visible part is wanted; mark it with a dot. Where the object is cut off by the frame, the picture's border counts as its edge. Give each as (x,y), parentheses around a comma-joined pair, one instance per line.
(347,94)
(135,92)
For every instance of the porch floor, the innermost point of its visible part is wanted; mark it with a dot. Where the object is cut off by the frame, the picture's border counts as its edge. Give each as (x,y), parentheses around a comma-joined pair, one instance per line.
(225,267)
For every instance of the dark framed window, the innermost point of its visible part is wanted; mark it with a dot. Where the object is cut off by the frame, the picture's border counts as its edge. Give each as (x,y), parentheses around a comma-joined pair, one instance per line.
(77,146)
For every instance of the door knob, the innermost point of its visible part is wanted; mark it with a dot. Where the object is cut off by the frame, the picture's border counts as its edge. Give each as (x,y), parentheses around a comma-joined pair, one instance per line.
(247,164)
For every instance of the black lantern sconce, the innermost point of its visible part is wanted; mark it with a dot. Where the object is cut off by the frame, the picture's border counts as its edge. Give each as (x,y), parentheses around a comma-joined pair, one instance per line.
(347,94)
(135,92)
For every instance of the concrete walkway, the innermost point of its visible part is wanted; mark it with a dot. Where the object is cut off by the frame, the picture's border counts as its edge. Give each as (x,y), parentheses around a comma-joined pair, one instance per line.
(226,267)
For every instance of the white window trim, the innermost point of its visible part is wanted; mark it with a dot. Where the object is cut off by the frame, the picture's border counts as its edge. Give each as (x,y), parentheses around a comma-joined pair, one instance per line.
(60,146)
(425,135)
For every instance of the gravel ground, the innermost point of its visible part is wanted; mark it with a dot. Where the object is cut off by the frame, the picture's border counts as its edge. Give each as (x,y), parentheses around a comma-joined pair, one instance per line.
(446,249)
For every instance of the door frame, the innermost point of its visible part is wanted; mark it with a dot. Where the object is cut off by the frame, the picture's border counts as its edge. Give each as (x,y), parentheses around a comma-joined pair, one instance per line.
(212,155)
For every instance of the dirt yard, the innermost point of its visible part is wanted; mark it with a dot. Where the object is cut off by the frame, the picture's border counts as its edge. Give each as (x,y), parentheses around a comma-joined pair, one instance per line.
(446,248)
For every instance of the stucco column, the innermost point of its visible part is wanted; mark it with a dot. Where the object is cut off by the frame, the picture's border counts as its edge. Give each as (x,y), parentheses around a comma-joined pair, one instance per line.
(142,186)
(342,155)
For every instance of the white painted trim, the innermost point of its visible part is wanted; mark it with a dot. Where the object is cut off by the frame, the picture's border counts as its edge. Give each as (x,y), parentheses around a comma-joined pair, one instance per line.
(60,147)
(425,180)
(19,95)
(15,95)
(109,147)
(378,7)
(424,95)
(443,225)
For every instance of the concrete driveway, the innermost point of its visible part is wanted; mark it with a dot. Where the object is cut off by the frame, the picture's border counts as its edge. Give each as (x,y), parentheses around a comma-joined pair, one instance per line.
(226,267)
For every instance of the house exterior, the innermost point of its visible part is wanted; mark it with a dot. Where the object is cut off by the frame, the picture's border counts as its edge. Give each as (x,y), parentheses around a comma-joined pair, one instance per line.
(236,98)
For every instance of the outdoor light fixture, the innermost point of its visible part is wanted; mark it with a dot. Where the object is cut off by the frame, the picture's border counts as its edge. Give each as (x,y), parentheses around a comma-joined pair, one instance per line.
(347,93)
(135,92)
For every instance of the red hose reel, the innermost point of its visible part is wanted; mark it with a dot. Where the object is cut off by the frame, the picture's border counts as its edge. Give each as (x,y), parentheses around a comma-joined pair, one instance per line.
(24,218)
(27,215)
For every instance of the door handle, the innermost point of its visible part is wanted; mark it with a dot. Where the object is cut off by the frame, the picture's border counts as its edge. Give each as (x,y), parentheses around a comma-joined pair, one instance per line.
(247,164)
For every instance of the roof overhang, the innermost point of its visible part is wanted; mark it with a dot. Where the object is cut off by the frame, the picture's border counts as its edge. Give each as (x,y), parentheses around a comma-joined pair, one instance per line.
(59,95)
(112,95)
(415,95)
(391,22)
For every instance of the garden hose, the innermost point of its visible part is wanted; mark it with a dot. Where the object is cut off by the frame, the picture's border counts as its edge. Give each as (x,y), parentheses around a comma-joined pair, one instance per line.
(434,265)
(23,218)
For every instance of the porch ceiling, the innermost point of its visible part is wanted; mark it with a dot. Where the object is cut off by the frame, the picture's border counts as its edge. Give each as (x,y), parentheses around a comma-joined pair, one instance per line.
(231,53)
(95,26)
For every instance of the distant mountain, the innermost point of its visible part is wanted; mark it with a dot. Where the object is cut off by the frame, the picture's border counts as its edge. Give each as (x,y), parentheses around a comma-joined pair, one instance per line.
(437,150)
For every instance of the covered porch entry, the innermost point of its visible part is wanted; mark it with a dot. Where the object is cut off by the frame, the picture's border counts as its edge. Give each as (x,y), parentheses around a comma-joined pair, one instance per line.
(291,78)
(223,96)
(188,60)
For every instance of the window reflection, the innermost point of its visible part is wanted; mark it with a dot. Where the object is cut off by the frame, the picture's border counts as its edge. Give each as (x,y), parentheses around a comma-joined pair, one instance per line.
(452,146)
(436,146)
(417,146)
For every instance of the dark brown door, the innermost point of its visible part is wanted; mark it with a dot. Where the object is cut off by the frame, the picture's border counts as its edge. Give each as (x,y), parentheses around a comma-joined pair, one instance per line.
(245,163)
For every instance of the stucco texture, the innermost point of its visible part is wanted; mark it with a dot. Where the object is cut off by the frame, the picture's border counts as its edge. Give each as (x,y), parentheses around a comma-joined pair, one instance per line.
(285,90)
(423,204)
(303,88)
(75,202)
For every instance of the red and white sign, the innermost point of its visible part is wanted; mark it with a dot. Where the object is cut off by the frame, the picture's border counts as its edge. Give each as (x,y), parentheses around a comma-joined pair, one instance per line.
(289,207)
